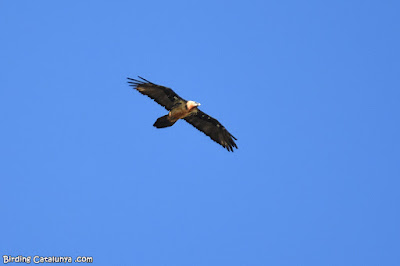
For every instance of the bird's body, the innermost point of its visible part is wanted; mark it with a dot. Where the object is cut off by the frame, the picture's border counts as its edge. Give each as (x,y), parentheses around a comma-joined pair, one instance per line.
(181,109)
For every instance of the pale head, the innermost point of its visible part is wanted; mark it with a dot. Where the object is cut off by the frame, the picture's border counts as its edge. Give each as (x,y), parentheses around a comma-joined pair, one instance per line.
(192,104)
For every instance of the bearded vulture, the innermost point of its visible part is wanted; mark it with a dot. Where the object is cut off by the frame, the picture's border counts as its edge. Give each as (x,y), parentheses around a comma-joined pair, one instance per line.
(181,109)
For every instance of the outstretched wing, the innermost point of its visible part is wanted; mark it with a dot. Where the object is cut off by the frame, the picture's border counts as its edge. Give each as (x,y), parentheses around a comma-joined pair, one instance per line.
(162,95)
(212,128)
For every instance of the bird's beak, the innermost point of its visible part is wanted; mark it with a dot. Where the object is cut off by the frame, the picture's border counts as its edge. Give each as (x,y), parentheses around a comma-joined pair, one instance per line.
(198,104)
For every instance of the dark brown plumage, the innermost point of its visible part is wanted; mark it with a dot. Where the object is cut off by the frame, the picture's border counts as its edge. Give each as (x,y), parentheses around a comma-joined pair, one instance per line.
(181,109)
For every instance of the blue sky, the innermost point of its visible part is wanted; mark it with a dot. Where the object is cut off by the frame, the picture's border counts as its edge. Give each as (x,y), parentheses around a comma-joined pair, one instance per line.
(309,88)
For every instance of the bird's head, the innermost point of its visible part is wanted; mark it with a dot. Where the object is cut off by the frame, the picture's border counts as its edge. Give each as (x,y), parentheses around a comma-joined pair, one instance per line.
(192,104)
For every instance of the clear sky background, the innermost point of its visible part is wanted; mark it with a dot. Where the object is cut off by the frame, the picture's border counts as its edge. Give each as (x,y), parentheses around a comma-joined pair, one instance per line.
(311,90)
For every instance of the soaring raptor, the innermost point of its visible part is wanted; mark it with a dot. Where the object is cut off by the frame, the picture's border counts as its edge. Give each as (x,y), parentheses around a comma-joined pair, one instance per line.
(181,109)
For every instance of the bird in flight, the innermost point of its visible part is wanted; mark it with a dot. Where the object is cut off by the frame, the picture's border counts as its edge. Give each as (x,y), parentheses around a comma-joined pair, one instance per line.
(181,109)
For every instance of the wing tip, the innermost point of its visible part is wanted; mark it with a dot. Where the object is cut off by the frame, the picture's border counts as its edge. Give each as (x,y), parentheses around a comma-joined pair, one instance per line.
(230,146)
(136,82)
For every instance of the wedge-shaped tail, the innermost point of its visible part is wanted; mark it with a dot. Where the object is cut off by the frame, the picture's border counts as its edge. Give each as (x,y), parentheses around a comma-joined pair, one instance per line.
(163,122)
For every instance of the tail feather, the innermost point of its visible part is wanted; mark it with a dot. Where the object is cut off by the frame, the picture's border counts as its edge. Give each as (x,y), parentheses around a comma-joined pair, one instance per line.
(163,122)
